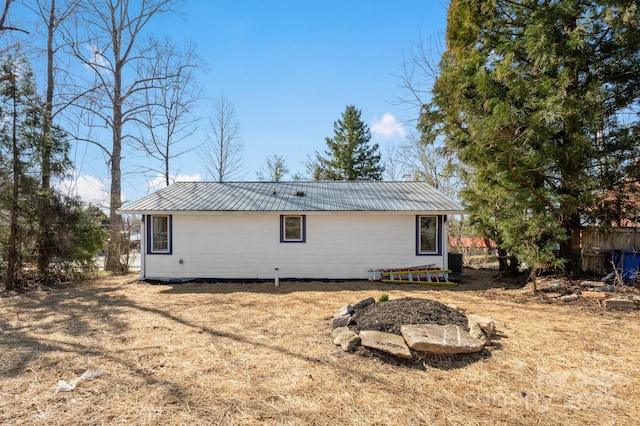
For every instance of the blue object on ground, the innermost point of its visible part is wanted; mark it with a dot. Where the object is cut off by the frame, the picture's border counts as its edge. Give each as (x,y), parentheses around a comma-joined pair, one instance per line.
(630,263)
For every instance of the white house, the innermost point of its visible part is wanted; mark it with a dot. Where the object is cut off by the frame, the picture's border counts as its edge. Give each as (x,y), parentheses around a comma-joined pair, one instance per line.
(307,230)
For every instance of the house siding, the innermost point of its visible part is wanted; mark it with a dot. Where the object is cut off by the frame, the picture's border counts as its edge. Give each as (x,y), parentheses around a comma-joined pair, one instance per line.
(339,245)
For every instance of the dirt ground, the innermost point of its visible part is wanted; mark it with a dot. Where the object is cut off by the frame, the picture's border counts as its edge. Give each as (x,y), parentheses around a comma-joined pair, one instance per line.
(390,315)
(237,354)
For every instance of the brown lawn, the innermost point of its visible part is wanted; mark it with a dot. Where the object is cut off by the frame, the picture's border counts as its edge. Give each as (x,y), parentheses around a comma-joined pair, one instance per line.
(236,354)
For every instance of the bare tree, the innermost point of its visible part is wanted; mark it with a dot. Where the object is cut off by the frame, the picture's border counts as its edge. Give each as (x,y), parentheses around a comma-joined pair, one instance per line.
(169,118)
(52,17)
(5,27)
(419,72)
(276,169)
(393,167)
(106,43)
(223,149)
(422,157)
(429,163)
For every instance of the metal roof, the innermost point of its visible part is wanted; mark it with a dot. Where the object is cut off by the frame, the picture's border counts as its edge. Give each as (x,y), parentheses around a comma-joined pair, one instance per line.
(294,196)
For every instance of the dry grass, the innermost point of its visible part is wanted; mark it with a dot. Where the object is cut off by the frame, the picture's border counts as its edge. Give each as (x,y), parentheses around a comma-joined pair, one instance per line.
(254,354)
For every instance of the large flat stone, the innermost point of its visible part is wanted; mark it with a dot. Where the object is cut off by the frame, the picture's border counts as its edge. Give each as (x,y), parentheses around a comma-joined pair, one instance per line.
(440,339)
(594,295)
(386,342)
(620,304)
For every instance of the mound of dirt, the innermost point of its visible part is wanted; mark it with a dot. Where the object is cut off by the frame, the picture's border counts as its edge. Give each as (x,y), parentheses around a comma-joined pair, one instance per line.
(390,315)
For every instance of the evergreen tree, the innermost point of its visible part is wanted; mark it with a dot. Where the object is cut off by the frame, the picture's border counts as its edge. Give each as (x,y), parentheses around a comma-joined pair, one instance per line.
(534,97)
(350,156)
(17,145)
(73,237)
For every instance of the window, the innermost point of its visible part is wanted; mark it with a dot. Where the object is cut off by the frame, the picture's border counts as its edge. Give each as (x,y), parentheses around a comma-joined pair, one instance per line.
(293,229)
(159,235)
(428,234)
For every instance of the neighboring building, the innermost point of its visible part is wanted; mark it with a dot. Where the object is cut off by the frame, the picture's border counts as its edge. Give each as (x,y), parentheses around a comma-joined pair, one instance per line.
(473,243)
(307,230)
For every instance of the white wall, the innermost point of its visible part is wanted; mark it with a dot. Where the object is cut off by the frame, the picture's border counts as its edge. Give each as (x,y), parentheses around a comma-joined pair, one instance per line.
(247,245)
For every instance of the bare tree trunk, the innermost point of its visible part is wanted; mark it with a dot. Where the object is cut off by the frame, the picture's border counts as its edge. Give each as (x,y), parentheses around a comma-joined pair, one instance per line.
(167,155)
(44,231)
(114,247)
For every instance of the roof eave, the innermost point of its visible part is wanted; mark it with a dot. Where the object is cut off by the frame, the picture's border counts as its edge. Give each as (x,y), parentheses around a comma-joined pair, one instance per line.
(218,212)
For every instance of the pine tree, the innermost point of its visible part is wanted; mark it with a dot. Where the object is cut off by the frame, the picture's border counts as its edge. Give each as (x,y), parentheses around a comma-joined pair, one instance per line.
(17,144)
(350,156)
(73,237)
(535,97)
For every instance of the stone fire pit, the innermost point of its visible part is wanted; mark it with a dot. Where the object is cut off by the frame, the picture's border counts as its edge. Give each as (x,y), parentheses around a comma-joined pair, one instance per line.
(406,327)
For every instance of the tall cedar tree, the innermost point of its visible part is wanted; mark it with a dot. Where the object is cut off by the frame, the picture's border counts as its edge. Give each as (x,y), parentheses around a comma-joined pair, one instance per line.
(350,157)
(536,98)
(75,236)
(19,105)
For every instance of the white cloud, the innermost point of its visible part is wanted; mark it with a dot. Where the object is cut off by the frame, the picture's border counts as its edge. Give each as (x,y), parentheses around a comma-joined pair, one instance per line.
(88,188)
(388,127)
(159,182)
(95,57)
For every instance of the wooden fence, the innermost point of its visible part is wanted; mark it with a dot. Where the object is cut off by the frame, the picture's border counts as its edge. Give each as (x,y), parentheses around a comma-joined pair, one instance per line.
(597,246)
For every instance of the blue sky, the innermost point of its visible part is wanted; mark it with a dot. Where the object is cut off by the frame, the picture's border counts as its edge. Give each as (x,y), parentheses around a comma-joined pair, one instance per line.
(289,68)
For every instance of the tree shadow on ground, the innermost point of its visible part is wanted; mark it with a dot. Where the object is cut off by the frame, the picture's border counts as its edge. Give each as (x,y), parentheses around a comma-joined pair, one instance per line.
(422,361)
(83,311)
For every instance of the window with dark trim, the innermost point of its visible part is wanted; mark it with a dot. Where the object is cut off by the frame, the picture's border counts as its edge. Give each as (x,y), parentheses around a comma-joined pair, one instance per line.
(159,234)
(428,235)
(293,228)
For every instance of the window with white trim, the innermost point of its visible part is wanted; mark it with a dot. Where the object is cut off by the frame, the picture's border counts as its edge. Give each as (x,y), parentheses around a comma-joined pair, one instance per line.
(159,234)
(292,228)
(427,235)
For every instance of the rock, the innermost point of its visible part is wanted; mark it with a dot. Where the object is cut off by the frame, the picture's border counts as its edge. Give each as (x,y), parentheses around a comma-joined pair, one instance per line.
(594,295)
(345,338)
(342,321)
(570,298)
(486,324)
(364,303)
(440,339)
(620,304)
(478,333)
(608,288)
(342,316)
(336,332)
(345,310)
(386,342)
(351,343)
(588,283)
(551,295)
